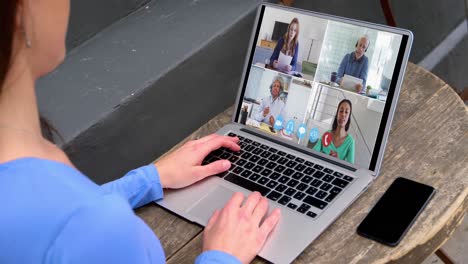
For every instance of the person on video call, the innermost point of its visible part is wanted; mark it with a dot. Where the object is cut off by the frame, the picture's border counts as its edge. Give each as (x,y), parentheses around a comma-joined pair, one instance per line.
(342,144)
(356,63)
(272,106)
(288,45)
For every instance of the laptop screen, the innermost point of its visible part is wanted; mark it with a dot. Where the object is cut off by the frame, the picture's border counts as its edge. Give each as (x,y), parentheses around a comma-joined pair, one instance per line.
(320,83)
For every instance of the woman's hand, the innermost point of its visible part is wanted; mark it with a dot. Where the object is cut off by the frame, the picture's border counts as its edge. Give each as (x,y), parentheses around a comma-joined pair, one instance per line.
(333,154)
(288,68)
(236,229)
(183,167)
(275,64)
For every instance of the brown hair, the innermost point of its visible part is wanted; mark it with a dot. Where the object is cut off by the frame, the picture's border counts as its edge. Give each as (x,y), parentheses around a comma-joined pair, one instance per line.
(7,27)
(290,49)
(8,9)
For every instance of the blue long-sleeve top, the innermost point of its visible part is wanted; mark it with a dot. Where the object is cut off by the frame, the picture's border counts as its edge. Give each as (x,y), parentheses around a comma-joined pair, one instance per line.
(277,50)
(351,66)
(52,213)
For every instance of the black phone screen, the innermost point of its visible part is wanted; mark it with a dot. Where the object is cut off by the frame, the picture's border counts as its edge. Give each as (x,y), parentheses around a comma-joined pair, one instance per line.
(394,213)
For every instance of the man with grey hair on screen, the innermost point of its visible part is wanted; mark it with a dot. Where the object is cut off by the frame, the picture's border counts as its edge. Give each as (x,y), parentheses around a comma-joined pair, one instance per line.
(356,63)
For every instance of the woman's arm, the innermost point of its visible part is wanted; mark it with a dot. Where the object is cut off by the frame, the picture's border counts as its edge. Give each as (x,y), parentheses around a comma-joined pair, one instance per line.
(276,51)
(294,58)
(350,155)
(138,187)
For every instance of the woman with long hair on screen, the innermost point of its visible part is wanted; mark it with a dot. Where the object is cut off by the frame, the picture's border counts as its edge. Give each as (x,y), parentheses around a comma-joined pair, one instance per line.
(51,212)
(342,144)
(289,46)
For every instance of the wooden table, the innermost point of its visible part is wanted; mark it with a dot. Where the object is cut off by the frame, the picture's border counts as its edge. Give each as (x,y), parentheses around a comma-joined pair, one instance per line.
(428,143)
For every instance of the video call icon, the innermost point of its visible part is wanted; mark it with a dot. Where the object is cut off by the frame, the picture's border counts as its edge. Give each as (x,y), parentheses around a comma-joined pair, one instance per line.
(314,135)
(290,127)
(301,131)
(327,139)
(278,123)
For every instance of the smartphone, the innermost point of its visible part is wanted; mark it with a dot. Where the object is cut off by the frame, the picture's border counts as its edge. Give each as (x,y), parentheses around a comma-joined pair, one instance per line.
(395,212)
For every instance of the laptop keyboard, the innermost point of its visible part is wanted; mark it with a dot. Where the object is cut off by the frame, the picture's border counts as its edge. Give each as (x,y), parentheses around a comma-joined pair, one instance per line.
(283,178)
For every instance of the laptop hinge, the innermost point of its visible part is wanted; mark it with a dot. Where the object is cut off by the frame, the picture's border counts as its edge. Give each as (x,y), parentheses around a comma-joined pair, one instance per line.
(299,150)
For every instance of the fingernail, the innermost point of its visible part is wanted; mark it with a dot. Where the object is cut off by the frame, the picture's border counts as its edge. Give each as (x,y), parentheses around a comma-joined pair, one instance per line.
(226,164)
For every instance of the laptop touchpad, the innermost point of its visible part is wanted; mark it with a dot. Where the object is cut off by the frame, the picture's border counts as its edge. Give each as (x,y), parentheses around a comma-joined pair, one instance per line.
(216,199)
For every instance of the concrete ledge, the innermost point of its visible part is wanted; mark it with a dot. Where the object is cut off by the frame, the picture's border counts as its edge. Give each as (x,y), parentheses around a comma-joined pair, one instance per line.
(134,90)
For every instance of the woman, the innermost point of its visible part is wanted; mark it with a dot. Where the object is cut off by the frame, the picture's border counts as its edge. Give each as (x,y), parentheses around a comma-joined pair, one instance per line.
(52,213)
(288,45)
(342,144)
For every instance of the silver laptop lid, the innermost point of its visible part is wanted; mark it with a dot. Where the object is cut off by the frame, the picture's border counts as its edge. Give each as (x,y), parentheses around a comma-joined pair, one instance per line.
(293,89)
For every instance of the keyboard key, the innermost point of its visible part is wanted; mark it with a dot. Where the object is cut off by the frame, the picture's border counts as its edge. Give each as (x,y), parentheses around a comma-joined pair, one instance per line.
(280,168)
(309,171)
(254,177)
(290,192)
(311,214)
(283,179)
(300,167)
(274,195)
(308,163)
(326,186)
(262,162)
(249,148)
(340,183)
(251,186)
(292,183)
(327,170)
(281,188)
(225,155)
(257,151)
(316,183)
(328,178)
(249,165)
(246,155)
(330,197)
(338,174)
(265,154)
(274,157)
(272,184)
(233,159)
(302,186)
(263,146)
(254,158)
(291,157)
(243,145)
(318,174)
(271,165)
(321,194)
(238,170)
(348,178)
(311,190)
(217,152)
(306,179)
(255,143)
(297,175)
(288,172)
(292,206)
(266,172)
(291,164)
(300,160)
(246,174)
(257,169)
(281,153)
(263,180)
(336,190)
(282,161)
(248,140)
(274,175)
(241,162)
(318,167)
(284,200)
(303,208)
(299,195)
(273,150)
(232,134)
(315,202)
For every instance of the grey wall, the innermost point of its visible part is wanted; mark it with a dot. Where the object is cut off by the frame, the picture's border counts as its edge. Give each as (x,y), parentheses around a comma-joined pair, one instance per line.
(88,17)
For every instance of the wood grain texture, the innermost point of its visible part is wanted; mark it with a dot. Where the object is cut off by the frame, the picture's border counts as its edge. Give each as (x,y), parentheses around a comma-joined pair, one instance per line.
(427,144)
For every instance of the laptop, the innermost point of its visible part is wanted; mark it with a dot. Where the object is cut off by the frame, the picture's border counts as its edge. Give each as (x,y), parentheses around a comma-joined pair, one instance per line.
(296,161)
